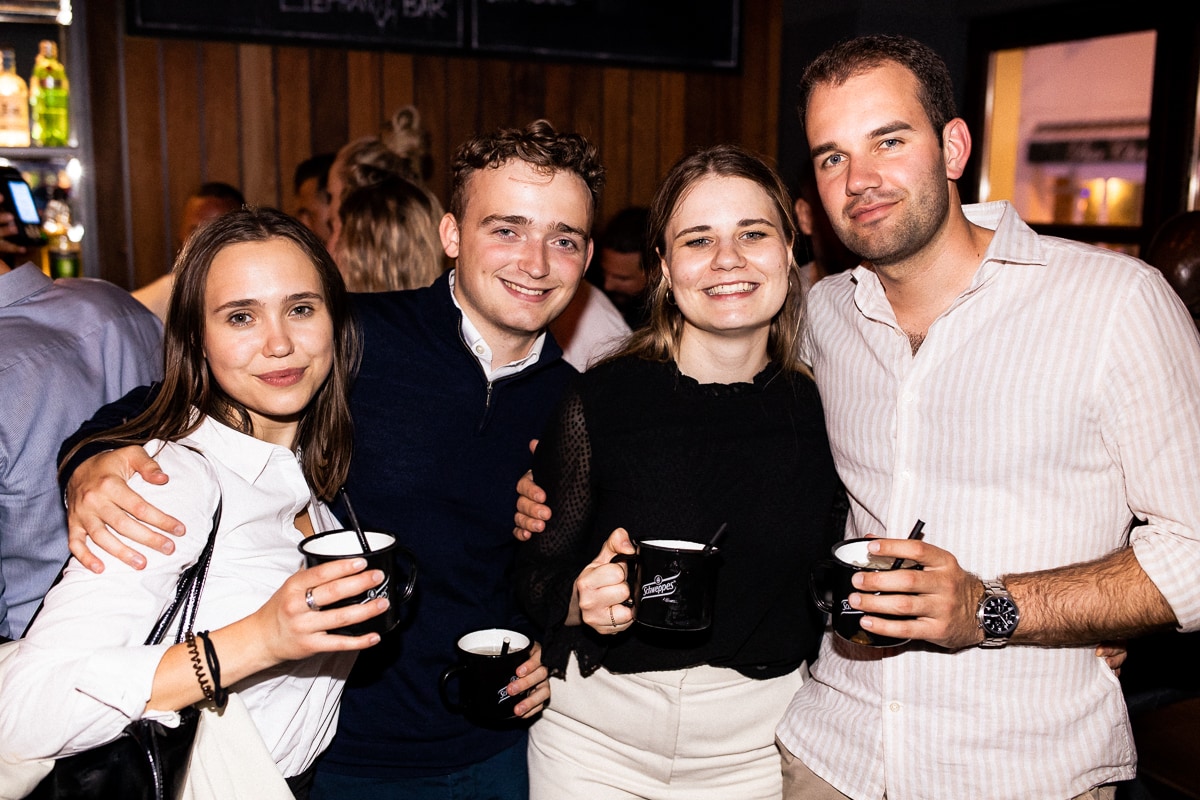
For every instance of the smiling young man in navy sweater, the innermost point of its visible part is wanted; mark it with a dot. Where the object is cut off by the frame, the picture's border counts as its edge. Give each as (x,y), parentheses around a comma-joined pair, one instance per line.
(455,380)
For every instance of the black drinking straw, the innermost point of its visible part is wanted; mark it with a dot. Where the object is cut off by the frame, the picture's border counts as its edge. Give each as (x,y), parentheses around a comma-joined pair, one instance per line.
(504,647)
(362,537)
(716,538)
(914,534)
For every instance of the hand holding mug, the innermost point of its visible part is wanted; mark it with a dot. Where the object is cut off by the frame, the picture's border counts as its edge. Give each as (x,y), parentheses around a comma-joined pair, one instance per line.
(498,677)
(937,602)
(601,590)
(289,628)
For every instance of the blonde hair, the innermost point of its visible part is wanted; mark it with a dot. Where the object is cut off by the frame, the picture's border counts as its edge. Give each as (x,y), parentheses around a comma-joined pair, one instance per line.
(389,238)
(401,148)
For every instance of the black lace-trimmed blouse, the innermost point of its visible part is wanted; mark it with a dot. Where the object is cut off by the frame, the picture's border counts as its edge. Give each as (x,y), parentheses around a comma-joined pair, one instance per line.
(637,444)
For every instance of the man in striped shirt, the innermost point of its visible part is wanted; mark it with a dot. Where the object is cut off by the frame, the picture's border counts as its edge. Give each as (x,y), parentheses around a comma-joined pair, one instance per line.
(1027,397)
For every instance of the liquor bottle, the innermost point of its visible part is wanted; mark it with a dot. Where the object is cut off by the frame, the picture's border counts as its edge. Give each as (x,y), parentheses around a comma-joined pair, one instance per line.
(64,257)
(14,103)
(48,98)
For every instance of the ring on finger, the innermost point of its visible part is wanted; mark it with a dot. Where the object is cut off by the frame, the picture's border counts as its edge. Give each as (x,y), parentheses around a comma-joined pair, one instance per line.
(309,601)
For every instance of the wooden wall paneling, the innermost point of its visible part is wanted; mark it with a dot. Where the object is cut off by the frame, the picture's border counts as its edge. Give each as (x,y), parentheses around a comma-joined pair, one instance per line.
(760,69)
(148,184)
(646,126)
(528,88)
(559,96)
(614,140)
(329,98)
(220,114)
(462,114)
(106,74)
(365,81)
(496,96)
(258,115)
(429,93)
(294,111)
(587,103)
(672,121)
(398,78)
(185,145)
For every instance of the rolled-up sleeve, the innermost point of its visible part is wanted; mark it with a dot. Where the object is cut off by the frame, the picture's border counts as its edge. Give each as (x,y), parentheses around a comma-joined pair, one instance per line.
(1152,391)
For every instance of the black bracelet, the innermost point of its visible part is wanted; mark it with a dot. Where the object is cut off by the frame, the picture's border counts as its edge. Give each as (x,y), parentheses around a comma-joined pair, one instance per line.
(219,695)
(194,652)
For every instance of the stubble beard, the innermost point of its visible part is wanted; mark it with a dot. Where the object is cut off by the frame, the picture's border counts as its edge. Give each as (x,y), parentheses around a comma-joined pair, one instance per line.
(909,234)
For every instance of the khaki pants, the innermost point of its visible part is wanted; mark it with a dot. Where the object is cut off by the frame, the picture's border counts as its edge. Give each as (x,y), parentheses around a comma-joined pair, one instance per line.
(800,783)
(695,734)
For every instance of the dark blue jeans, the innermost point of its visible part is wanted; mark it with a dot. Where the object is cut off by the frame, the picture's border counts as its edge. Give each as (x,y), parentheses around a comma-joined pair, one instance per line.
(504,776)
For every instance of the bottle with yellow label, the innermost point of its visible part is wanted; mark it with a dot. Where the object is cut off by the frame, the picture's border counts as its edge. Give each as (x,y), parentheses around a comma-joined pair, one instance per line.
(14,103)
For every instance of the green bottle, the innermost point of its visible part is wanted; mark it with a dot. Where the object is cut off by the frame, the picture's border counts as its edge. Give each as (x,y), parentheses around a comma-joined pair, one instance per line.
(48,97)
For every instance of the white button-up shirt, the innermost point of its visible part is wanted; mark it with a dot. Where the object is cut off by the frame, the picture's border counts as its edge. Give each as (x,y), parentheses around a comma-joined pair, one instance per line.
(1055,399)
(82,673)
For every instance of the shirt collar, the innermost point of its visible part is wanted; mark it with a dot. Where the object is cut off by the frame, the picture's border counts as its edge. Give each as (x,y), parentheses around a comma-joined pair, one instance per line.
(483,352)
(246,456)
(20,283)
(1014,243)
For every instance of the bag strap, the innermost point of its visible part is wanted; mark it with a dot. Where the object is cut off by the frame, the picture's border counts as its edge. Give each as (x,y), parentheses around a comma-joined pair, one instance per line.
(190,585)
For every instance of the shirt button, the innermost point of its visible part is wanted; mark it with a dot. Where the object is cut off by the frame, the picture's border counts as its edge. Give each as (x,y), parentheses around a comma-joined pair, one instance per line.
(479,349)
(893,707)
(909,397)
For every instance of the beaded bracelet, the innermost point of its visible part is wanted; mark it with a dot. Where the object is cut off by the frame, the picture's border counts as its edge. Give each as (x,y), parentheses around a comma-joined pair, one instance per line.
(198,667)
(219,696)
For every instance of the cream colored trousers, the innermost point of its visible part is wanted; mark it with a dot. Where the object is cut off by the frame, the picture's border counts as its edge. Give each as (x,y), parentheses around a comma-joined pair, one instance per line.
(695,734)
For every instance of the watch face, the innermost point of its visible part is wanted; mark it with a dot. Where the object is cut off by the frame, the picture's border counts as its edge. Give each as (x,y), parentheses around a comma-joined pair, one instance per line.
(999,616)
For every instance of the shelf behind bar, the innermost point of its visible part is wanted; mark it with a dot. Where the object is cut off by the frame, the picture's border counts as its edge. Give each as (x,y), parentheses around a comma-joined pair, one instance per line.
(39,153)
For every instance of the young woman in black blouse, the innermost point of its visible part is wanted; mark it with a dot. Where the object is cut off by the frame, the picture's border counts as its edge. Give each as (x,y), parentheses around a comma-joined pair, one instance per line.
(706,417)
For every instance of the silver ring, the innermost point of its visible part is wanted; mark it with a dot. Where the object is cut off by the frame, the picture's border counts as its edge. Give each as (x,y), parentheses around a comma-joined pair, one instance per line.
(309,601)
(612,618)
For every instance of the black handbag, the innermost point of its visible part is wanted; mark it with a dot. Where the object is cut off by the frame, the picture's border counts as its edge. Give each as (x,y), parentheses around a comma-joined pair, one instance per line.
(149,760)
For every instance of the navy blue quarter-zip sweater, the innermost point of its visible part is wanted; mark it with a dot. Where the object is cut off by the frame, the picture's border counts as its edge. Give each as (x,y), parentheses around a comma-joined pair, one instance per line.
(438,451)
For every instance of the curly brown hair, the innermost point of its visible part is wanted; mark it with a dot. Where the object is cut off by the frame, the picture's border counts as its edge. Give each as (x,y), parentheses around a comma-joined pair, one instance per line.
(538,145)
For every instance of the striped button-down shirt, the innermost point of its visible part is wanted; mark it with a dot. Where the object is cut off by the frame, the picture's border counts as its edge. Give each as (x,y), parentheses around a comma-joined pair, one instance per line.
(1055,399)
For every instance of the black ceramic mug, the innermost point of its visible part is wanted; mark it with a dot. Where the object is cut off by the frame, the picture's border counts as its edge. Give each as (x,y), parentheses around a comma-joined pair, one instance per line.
(484,670)
(398,580)
(831,589)
(672,583)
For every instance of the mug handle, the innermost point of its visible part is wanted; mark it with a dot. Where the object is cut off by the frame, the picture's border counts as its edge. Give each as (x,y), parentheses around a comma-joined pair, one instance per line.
(630,575)
(407,591)
(820,569)
(457,708)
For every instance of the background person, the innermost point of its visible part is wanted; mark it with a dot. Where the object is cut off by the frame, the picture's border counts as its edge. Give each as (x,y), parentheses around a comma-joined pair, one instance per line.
(705,417)
(204,205)
(259,354)
(67,347)
(622,273)
(387,239)
(1175,250)
(311,195)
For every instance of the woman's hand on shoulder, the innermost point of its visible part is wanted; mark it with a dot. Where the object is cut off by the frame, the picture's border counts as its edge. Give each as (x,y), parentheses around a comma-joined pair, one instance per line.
(601,590)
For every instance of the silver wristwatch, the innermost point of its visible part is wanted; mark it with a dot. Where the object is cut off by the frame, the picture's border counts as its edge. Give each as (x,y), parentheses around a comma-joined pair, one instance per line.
(997,615)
